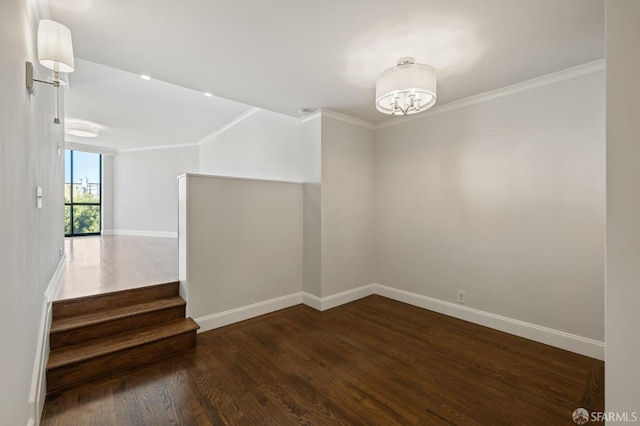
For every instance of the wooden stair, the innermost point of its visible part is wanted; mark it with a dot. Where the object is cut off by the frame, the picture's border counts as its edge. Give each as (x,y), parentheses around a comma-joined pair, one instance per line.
(98,335)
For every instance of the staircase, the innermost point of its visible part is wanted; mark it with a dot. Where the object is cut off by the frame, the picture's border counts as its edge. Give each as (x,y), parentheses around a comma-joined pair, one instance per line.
(97,335)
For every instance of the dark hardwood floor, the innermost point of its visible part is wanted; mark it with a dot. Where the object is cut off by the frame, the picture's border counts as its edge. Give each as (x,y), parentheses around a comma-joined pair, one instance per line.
(371,362)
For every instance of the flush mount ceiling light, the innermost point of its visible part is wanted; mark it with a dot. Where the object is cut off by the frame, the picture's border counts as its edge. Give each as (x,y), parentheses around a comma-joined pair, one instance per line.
(84,130)
(55,51)
(407,88)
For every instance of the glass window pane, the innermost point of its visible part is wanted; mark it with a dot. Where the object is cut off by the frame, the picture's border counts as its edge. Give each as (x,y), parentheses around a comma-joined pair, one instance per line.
(82,186)
(86,167)
(67,220)
(86,192)
(86,219)
(67,192)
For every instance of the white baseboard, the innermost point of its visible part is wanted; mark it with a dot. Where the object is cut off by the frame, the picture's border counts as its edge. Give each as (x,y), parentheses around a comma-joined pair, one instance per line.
(242,313)
(135,233)
(324,303)
(559,339)
(311,300)
(38,390)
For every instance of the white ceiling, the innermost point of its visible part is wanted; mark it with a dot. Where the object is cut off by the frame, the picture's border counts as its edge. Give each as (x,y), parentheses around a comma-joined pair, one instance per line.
(284,55)
(133,113)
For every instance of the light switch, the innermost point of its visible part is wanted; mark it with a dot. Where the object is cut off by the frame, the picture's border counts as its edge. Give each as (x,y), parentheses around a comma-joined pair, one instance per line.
(39,197)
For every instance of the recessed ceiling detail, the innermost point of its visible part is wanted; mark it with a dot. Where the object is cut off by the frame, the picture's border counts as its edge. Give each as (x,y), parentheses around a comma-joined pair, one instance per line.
(141,114)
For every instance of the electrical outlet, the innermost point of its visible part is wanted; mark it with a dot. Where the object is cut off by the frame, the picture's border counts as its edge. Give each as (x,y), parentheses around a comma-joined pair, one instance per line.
(462,296)
(60,252)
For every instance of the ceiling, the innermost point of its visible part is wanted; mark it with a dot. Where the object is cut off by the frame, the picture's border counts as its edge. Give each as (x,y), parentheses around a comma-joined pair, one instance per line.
(285,55)
(132,113)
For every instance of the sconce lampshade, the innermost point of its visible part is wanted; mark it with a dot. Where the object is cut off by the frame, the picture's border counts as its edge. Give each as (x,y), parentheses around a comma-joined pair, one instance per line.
(407,88)
(55,50)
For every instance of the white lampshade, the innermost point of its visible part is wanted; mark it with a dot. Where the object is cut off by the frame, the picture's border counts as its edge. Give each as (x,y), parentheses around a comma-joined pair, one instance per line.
(55,50)
(407,88)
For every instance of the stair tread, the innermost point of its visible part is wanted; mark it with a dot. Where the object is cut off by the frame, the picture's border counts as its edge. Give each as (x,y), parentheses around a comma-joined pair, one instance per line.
(114,343)
(59,325)
(119,298)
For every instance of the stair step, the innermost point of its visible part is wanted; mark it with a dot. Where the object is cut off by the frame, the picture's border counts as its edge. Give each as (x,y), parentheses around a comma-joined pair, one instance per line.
(98,347)
(78,328)
(90,304)
(76,364)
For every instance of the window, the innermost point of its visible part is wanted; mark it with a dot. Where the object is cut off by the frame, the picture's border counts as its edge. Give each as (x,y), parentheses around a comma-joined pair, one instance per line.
(82,193)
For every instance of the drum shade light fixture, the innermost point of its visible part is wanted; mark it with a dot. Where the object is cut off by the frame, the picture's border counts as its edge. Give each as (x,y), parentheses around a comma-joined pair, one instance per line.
(407,88)
(55,51)
(84,130)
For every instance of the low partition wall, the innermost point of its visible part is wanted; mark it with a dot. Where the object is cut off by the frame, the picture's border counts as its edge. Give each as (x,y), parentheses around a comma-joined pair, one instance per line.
(240,256)
(240,244)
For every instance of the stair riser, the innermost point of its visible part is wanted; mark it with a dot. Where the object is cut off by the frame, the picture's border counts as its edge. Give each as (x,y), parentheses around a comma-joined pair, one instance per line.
(83,334)
(85,305)
(64,377)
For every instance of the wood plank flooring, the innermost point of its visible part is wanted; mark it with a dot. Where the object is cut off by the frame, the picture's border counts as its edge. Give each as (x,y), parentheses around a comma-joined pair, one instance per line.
(371,362)
(103,264)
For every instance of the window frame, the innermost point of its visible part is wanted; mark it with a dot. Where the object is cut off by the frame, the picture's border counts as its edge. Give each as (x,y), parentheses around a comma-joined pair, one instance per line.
(71,203)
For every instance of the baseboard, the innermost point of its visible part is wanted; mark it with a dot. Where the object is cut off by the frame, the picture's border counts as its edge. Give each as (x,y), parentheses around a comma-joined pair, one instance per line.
(242,313)
(135,233)
(311,300)
(107,232)
(324,303)
(52,287)
(559,339)
(38,390)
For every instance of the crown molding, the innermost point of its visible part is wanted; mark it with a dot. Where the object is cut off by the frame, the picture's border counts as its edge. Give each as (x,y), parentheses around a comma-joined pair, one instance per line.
(347,119)
(229,125)
(556,77)
(312,116)
(156,147)
(216,132)
(75,146)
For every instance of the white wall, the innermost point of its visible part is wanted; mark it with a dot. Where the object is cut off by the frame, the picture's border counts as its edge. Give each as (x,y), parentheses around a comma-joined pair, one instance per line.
(263,145)
(146,189)
(312,215)
(347,206)
(108,191)
(243,240)
(30,238)
(623,207)
(503,199)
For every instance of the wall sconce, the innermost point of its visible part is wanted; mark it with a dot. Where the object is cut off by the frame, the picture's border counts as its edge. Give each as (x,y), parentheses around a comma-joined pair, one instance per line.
(55,51)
